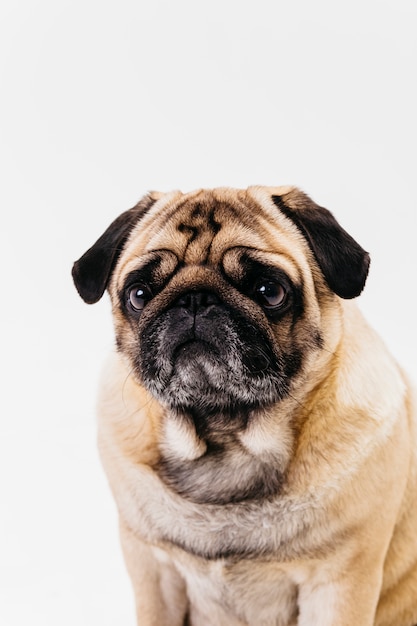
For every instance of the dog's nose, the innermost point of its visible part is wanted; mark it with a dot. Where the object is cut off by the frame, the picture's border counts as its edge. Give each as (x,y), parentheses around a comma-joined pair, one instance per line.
(195,300)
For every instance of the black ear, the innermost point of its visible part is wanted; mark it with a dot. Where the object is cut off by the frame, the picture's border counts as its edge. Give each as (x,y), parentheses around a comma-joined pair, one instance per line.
(342,260)
(91,273)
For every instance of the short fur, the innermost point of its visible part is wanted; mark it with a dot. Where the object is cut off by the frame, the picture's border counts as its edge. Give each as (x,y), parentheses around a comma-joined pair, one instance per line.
(259,440)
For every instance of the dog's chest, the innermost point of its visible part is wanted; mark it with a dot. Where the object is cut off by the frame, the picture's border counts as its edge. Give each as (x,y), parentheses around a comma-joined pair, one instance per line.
(243,593)
(224,474)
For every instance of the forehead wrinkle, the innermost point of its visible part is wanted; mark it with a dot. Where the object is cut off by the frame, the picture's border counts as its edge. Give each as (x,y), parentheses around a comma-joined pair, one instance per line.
(280,260)
(242,219)
(156,219)
(220,219)
(148,231)
(160,229)
(190,228)
(164,261)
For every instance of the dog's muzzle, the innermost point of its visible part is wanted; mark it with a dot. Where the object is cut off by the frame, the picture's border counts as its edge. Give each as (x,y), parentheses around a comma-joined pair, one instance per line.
(202,353)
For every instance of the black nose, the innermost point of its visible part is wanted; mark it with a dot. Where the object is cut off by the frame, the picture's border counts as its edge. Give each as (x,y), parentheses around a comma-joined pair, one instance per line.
(195,300)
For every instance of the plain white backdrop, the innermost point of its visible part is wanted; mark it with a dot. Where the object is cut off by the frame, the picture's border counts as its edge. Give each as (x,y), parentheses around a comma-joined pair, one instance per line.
(102,101)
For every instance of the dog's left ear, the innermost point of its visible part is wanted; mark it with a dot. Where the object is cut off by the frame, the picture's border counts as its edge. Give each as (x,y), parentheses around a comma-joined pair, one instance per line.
(342,260)
(92,272)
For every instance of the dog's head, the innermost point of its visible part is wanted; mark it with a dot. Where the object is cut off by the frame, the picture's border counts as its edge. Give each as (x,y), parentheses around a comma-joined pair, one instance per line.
(221,298)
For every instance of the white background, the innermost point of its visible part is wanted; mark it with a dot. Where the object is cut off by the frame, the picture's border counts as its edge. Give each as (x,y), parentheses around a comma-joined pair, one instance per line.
(102,101)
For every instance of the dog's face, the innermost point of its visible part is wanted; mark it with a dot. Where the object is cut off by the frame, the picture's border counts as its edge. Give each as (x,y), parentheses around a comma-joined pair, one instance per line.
(205,308)
(221,298)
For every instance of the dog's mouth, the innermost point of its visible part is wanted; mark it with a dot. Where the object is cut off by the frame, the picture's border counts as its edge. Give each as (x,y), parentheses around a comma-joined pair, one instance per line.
(193,349)
(198,366)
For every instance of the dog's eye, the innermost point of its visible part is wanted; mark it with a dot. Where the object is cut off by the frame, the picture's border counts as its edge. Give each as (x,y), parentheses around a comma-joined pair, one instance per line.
(138,297)
(270,294)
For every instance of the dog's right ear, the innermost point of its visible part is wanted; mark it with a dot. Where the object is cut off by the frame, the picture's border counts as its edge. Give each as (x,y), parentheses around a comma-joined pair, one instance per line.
(92,271)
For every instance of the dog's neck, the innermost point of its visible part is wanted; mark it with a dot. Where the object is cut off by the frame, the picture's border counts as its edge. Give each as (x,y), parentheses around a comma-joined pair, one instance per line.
(232,458)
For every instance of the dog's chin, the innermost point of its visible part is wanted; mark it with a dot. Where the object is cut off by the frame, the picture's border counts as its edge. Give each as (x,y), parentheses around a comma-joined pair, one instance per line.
(200,380)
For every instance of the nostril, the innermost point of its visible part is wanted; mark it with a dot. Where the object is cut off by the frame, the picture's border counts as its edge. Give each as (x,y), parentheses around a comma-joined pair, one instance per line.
(206,298)
(194,300)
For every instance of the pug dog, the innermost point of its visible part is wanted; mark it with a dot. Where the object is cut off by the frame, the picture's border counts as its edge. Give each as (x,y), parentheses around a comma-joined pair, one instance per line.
(259,439)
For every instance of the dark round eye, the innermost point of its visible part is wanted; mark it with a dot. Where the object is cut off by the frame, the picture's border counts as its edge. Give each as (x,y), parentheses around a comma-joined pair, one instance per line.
(270,295)
(138,297)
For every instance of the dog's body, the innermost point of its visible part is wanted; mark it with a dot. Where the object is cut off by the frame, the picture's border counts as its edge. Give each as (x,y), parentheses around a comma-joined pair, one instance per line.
(260,442)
